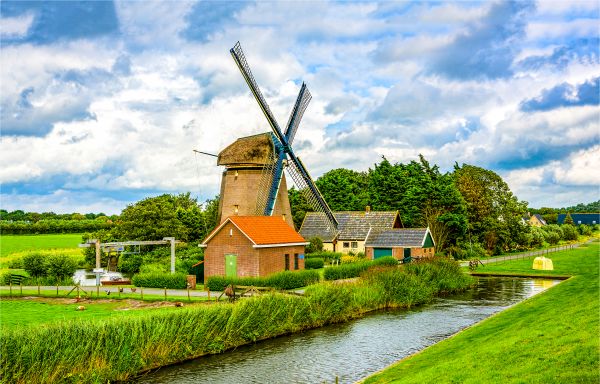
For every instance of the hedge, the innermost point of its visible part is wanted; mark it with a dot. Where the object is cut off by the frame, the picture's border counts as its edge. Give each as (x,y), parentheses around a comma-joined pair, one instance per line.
(281,280)
(350,270)
(160,280)
(314,263)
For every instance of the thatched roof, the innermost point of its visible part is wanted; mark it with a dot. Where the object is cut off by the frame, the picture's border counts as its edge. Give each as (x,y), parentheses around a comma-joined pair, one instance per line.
(248,151)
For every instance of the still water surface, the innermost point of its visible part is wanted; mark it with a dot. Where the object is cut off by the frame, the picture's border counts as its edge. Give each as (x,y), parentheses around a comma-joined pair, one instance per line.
(353,350)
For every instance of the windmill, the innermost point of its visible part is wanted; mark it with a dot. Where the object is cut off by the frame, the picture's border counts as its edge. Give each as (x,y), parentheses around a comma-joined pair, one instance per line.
(279,155)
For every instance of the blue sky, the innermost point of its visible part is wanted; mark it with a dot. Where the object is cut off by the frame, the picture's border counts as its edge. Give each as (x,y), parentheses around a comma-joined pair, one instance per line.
(102,103)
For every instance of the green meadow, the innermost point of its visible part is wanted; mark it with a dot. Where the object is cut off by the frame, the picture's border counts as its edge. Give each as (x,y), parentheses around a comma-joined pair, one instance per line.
(550,338)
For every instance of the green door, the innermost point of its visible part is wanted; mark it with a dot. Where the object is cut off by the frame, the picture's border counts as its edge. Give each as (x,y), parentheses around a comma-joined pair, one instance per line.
(230,265)
(381,252)
(406,252)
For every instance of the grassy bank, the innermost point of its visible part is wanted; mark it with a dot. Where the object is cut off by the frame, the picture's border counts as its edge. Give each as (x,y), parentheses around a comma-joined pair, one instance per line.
(16,313)
(117,348)
(552,337)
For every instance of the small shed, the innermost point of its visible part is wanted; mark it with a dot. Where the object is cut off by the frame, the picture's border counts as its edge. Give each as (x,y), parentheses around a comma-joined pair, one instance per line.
(401,243)
(252,246)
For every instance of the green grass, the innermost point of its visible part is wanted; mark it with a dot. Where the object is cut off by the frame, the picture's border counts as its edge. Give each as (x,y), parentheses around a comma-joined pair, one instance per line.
(18,243)
(550,338)
(33,312)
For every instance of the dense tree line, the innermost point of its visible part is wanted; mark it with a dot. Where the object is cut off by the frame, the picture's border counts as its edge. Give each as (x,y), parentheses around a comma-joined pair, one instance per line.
(34,217)
(469,209)
(53,226)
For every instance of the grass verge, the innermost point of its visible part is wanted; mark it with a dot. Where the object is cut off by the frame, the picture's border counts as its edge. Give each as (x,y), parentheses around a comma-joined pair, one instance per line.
(550,338)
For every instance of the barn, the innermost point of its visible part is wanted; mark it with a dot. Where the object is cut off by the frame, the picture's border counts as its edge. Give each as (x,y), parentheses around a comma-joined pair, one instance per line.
(252,246)
(401,243)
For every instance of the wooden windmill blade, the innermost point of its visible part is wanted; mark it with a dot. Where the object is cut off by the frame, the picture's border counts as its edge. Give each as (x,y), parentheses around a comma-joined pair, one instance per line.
(242,63)
(305,183)
(300,106)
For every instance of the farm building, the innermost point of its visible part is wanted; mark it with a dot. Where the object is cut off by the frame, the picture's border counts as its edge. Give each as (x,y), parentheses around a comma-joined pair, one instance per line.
(355,228)
(401,243)
(581,218)
(535,220)
(251,246)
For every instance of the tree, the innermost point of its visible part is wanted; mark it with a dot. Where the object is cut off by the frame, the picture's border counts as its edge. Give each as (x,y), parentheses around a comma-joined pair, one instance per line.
(60,266)
(493,212)
(161,216)
(568,219)
(299,206)
(35,264)
(344,189)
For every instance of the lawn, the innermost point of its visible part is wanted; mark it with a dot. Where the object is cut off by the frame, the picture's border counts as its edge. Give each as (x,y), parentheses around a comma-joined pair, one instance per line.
(36,311)
(552,337)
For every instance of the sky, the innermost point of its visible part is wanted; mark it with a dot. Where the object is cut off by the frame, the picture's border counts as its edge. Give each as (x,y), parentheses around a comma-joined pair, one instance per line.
(103,103)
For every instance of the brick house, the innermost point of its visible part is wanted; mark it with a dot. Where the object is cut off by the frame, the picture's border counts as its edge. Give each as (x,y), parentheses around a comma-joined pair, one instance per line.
(354,230)
(252,246)
(401,243)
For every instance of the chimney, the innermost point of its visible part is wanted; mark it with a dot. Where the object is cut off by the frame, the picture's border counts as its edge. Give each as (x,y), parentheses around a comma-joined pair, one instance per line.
(367,209)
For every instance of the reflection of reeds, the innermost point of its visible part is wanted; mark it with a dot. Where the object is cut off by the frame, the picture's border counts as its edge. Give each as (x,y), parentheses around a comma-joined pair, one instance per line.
(116,349)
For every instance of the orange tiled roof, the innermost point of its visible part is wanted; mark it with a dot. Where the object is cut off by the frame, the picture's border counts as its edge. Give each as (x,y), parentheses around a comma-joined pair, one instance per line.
(264,230)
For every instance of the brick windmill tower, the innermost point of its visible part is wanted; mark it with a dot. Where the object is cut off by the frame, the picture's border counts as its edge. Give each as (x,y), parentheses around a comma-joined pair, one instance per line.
(253,183)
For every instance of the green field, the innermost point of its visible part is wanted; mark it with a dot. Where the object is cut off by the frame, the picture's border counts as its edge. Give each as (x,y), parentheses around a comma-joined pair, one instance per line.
(18,243)
(15,246)
(36,311)
(550,338)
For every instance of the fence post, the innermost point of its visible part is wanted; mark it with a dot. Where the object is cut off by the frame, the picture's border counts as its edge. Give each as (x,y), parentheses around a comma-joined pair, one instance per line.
(38,288)
(21,288)
(57,289)
(165,293)
(142,292)
(119,290)
(188,292)
(97,291)
(10,287)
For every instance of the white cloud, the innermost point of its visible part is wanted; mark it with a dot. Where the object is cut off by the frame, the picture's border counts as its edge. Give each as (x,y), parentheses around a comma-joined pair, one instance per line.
(16,27)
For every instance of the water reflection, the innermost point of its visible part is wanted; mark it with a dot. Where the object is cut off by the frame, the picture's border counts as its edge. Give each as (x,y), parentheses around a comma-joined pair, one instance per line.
(356,349)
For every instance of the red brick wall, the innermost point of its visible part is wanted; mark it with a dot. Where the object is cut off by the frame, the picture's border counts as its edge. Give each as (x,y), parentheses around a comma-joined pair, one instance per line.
(237,244)
(251,262)
(272,260)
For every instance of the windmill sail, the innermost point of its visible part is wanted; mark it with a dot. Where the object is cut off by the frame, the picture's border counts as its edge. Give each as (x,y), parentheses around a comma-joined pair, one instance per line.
(274,170)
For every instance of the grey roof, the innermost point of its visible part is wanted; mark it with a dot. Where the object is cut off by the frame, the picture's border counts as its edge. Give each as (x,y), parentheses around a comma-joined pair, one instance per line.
(398,237)
(540,218)
(353,225)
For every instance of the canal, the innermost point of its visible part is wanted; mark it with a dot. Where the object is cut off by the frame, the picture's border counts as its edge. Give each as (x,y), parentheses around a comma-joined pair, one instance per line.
(351,351)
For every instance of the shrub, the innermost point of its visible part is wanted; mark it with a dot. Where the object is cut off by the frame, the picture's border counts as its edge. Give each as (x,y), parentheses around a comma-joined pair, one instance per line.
(131,263)
(60,267)
(154,268)
(314,263)
(281,280)
(569,232)
(35,264)
(160,280)
(327,256)
(315,245)
(346,271)
(16,263)
(585,230)
(386,261)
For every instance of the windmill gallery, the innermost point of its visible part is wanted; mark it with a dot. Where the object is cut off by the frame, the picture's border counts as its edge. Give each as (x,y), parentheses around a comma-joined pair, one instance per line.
(256,236)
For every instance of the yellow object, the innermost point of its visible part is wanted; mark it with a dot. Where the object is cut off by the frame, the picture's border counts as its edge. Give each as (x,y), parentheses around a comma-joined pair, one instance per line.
(543,264)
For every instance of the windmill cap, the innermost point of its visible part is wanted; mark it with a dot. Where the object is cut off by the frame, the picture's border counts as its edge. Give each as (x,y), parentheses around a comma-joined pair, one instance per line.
(250,150)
